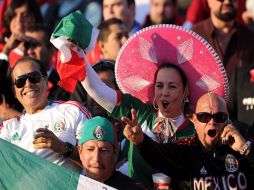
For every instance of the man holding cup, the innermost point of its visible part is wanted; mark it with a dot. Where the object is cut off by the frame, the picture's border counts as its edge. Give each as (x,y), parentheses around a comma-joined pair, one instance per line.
(48,129)
(207,163)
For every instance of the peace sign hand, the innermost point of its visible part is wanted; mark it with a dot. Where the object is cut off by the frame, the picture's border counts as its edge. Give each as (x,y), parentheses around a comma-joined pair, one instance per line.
(132,130)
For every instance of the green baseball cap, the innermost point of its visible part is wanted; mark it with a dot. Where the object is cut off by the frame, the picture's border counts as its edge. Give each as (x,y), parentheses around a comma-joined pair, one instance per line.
(97,128)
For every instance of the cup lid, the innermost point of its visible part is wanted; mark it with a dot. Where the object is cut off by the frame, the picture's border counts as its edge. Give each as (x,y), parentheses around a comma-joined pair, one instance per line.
(161,178)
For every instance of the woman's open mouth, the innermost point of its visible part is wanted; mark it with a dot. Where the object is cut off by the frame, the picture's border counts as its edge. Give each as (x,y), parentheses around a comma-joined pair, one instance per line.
(165,104)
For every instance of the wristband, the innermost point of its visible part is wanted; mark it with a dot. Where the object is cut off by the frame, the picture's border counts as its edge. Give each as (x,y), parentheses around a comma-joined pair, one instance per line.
(68,149)
(245,148)
(3,56)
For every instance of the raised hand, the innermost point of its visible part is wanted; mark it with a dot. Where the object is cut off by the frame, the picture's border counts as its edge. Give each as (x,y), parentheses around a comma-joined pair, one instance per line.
(132,130)
(233,137)
(13,41)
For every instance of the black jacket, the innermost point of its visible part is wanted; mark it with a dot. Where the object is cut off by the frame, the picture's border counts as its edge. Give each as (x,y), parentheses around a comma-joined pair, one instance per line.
(241,96)
(122,182)
(192,167)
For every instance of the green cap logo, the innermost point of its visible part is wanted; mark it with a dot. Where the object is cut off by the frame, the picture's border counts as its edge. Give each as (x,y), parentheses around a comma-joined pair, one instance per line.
(97,128)
(98,132)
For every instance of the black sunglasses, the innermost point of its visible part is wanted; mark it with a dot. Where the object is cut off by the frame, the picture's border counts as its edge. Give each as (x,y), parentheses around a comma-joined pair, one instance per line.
(224,0)
(205,117)
(31,44)
(33,77)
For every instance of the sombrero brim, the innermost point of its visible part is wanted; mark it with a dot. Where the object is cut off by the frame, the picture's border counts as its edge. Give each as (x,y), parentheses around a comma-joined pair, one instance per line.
(140,56)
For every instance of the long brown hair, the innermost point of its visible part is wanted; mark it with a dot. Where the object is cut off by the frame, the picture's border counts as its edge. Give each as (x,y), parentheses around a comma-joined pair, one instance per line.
(33,10)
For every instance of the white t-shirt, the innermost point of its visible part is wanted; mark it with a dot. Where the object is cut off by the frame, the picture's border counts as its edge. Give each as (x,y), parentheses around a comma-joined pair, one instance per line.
(65,119)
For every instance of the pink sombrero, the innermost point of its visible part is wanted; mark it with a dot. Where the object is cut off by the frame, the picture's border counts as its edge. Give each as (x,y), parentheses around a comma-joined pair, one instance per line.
(140,56)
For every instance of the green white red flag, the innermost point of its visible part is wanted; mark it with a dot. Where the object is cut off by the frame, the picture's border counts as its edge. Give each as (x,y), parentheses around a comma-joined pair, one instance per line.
(22,170)
(73,37)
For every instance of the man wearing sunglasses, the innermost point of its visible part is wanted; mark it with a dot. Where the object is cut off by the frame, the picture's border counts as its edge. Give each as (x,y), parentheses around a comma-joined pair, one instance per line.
(220,158)
(36,45)
(48,129)
(232,41)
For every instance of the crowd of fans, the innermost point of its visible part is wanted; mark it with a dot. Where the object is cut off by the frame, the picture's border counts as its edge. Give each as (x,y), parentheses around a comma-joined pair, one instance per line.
(56,122)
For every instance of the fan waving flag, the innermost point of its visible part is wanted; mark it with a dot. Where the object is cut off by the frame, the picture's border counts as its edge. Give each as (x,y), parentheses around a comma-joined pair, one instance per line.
(22,170)
(73,37)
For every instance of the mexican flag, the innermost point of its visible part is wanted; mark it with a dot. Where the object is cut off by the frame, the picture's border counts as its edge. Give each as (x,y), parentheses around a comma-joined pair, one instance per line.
(74,36)
(22,170)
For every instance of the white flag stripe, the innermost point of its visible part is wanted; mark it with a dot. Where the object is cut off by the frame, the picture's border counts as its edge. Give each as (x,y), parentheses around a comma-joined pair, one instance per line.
(95,33)
(86,183)
(63,45)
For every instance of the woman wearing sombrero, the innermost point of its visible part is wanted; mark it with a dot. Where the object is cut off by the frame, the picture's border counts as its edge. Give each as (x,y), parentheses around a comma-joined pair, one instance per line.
(157,69)
(174,56)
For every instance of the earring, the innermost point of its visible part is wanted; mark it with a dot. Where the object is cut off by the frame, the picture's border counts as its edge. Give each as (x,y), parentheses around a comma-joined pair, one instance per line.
(155,107)
(186,100)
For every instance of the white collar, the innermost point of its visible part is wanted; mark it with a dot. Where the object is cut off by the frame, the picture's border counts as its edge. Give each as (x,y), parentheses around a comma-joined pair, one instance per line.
(178,121)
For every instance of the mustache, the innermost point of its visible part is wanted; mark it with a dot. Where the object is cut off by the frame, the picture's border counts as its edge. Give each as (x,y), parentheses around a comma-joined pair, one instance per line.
(228,5)
(100,166)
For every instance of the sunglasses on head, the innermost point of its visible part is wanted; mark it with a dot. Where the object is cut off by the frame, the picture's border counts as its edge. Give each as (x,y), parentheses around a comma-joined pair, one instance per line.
(33,77)
(205,117)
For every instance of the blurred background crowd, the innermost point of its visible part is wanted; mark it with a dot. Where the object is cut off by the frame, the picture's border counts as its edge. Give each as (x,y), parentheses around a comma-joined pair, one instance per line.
(26,27)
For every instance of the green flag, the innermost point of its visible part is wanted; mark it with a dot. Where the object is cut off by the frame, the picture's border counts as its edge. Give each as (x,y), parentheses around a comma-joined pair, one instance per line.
(22,170)
(77,29)
(73,37)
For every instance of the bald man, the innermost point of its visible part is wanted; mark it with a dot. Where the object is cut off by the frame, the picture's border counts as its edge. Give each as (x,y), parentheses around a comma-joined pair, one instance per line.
(220,157)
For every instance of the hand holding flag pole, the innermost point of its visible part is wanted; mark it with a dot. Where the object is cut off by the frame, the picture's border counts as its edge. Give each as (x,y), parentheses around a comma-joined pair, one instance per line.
(73,37)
